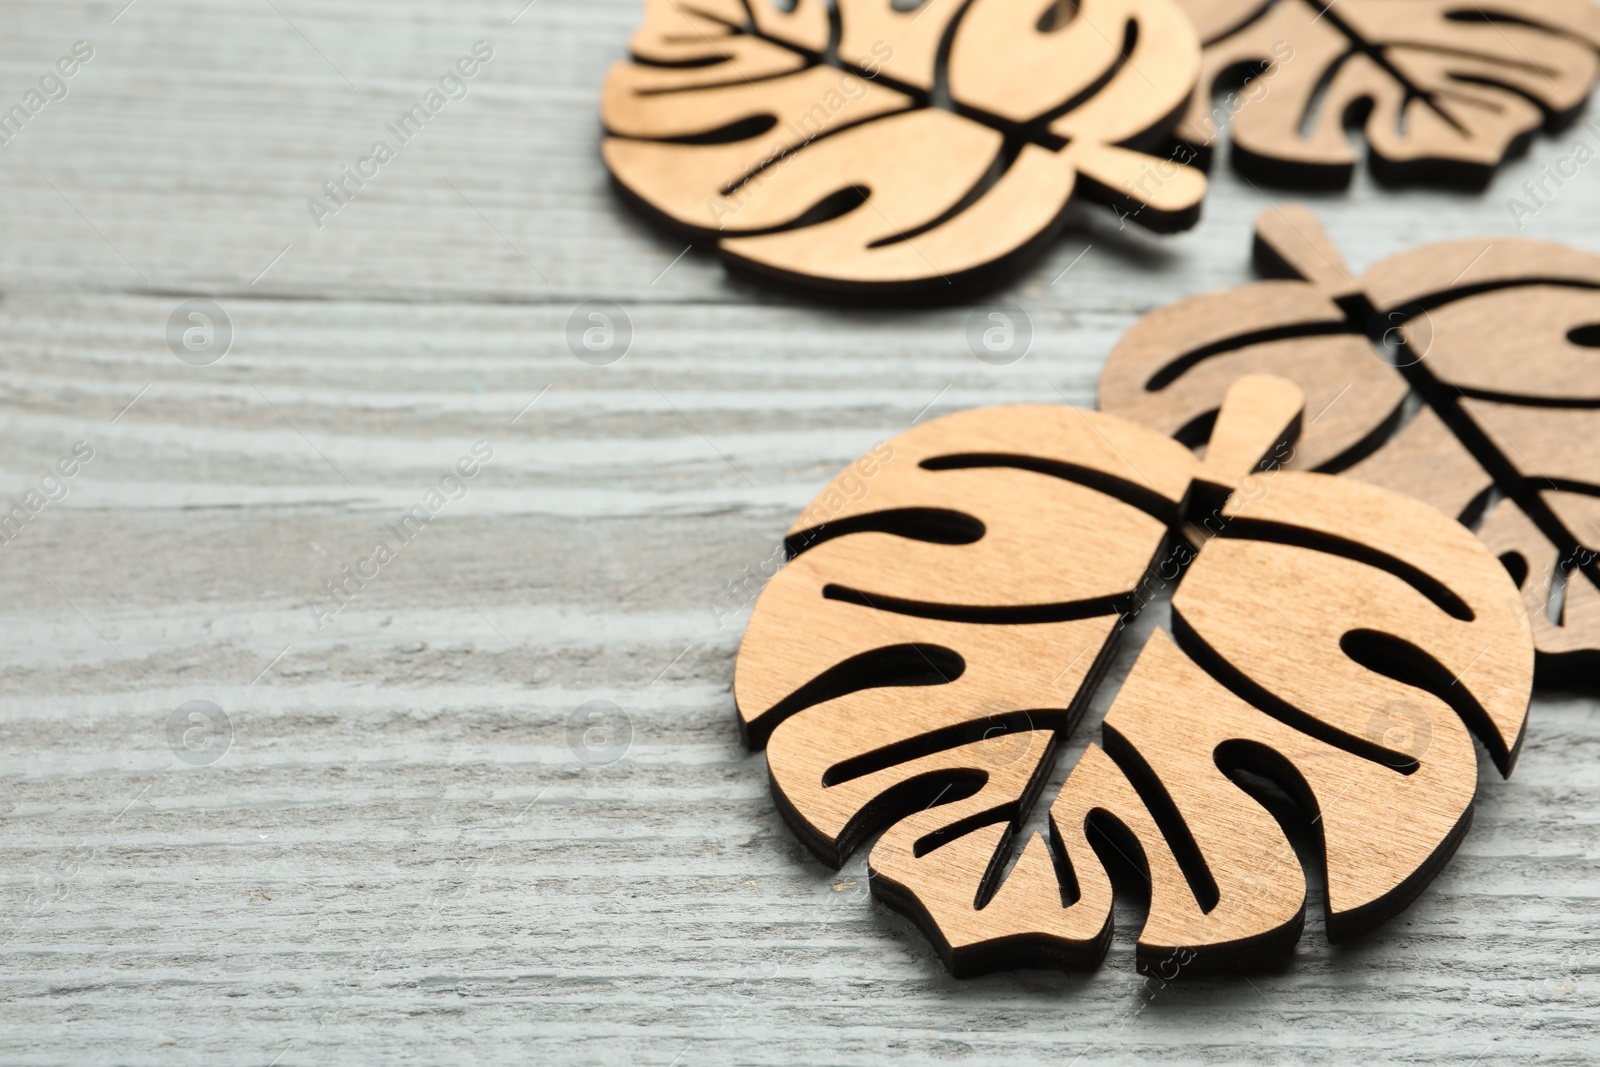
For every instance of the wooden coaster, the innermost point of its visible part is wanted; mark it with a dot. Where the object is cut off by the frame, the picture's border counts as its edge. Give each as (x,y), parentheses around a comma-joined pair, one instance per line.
(1461,374)
(1444,90)
(948,610)
(899,149)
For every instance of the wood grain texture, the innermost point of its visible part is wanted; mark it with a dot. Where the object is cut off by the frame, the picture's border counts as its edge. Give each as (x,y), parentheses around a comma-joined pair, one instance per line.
(406,904)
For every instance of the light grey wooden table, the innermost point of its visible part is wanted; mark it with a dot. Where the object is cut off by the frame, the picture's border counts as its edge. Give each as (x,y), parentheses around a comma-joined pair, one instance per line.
(399,857)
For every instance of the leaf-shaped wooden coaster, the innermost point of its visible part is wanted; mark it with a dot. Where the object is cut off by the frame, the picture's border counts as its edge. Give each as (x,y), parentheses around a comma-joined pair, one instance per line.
(870,146)
(915,664)
(1462,374)
(1446,89)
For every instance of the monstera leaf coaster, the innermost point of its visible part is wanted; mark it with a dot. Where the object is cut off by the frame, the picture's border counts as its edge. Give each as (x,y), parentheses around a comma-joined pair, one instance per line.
(888,147)
(1444,89)
(949,607)
(1462,374)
